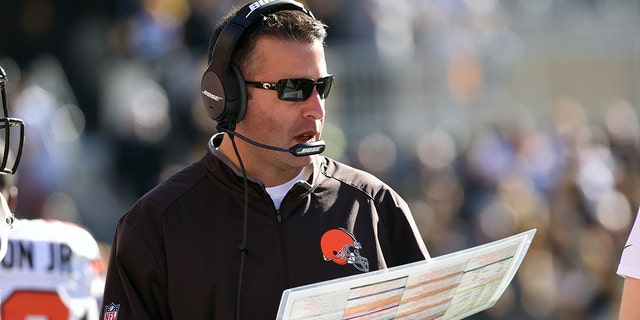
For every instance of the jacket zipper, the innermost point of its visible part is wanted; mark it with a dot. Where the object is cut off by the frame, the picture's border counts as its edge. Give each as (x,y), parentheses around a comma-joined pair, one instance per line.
(285,269)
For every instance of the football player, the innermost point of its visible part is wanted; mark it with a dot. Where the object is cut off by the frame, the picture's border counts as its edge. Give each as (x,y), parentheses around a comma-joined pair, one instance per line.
(49,269)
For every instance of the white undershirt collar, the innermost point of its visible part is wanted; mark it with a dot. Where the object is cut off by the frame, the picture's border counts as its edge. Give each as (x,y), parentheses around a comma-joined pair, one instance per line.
(278,192)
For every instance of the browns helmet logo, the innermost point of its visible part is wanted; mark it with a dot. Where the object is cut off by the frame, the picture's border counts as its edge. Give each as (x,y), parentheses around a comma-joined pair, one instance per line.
(340,246)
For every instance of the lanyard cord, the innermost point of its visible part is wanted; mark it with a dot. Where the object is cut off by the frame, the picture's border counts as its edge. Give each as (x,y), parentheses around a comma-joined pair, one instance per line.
(243,246)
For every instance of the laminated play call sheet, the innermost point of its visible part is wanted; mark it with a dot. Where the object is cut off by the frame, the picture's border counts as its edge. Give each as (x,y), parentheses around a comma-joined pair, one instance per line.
(451,286)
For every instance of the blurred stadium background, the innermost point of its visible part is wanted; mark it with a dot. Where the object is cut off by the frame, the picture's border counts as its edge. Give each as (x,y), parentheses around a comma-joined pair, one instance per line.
(490,117)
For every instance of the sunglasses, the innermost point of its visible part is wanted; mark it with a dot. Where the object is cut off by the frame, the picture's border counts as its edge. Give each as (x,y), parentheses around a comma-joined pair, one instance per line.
(297,89)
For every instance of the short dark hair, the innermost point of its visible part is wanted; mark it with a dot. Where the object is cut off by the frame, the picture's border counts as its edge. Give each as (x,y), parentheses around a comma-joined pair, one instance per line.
(293,25)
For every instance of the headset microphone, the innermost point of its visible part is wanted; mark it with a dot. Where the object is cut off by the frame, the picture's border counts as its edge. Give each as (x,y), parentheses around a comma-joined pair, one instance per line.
(306,149)
(299,150)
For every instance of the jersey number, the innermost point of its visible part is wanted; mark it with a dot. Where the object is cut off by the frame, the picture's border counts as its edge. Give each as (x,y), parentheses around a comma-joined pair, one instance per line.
(23,304)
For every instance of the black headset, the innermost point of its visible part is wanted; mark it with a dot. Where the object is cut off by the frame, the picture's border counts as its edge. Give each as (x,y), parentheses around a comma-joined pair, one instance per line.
(223,90)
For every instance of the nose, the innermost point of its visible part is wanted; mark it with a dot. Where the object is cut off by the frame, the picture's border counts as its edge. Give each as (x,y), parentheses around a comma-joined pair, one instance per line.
(314,106)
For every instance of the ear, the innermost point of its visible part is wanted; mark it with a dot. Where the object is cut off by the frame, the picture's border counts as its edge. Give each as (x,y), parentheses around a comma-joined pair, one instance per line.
(242,88)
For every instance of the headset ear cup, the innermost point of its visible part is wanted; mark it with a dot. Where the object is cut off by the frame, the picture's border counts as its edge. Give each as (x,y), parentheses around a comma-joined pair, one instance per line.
(242,90)
(213,95)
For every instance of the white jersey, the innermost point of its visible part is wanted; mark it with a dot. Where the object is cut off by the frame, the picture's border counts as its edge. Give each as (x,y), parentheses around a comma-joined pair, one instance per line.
(52,270)
(630,261)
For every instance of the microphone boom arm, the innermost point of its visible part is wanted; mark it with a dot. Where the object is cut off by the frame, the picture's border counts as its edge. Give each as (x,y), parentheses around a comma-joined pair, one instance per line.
(299,150)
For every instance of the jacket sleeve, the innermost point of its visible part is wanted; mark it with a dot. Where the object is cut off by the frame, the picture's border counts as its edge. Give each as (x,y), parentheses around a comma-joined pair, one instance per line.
(406,242)
(134,287)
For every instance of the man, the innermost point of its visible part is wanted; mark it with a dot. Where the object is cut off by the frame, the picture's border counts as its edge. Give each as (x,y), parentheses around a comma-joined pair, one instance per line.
(224,237)
(629,268)
(49,269)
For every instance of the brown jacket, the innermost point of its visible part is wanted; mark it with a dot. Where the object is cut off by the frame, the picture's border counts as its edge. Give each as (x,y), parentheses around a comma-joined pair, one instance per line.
(175,252)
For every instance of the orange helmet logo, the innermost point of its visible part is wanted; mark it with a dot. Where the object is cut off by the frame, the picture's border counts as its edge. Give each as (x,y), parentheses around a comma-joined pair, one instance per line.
(341,247)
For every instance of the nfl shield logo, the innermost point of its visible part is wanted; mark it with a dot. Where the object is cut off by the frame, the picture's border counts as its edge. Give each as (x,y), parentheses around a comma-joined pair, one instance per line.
(111,311)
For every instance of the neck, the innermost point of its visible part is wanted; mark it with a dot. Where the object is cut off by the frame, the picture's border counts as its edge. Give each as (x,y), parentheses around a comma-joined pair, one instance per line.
(257,163)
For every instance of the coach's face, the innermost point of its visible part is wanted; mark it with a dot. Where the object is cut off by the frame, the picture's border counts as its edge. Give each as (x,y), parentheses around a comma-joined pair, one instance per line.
(277,122)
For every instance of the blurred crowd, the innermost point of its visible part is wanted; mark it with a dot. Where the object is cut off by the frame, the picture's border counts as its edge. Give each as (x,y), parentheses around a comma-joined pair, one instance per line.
(483,133)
